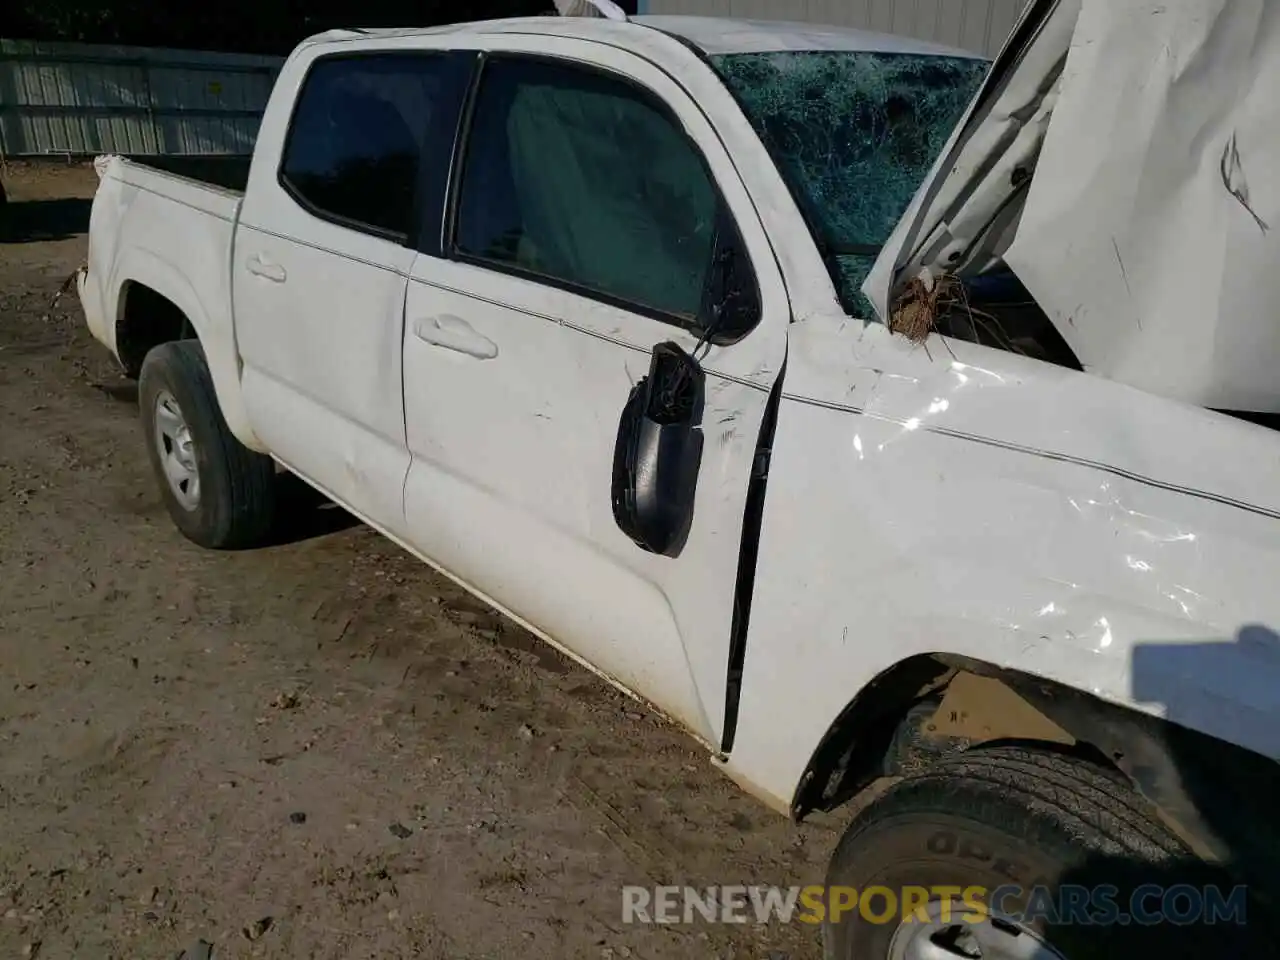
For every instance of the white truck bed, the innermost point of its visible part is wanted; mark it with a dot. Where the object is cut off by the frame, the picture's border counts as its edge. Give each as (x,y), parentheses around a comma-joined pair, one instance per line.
(168,232)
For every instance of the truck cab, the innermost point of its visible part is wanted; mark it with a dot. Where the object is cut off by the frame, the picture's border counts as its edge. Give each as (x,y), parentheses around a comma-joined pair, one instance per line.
(572,309)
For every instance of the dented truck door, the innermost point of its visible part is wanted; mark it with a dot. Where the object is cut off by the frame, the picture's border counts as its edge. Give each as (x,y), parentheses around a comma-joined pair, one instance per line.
(569,255)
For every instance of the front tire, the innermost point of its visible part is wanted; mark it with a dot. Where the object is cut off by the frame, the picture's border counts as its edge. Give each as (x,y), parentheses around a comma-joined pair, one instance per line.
(219,493)
(1048,830)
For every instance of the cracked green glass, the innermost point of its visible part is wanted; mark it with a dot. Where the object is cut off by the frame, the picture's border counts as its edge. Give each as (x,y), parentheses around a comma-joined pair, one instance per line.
(854,134)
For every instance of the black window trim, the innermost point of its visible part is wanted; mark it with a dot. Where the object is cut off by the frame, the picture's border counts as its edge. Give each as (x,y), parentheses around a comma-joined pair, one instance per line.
(405,239)
(428,238)
(457,162)
(462,149)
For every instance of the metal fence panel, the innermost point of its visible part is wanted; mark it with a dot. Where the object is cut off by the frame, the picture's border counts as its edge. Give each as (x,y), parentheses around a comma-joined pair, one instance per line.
(82,99)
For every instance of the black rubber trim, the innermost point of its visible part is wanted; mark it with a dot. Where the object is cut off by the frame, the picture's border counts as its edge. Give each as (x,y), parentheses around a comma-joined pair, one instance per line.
(453,191)
(748,554)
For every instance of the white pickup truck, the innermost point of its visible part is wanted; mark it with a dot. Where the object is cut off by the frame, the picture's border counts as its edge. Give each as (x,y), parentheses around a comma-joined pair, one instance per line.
(573,309)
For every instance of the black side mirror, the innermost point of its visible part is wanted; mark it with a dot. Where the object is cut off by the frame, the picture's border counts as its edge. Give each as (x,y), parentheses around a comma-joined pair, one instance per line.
(659,451)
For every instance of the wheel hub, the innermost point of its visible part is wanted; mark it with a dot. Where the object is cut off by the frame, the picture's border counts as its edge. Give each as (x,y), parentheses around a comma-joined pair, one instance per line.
(177,451)
(956,938)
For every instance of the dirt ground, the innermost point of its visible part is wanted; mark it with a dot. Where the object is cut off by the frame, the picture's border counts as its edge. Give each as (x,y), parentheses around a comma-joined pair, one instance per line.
(319,749)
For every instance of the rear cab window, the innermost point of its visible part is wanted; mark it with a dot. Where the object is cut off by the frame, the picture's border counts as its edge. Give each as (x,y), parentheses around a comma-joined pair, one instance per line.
(371,140)
(581,179)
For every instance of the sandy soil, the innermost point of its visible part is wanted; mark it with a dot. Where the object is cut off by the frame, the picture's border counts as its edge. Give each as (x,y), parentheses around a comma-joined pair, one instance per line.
(320,749)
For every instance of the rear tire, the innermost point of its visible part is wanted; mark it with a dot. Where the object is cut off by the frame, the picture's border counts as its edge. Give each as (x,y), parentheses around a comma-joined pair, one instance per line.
(218,492)
(1024,820)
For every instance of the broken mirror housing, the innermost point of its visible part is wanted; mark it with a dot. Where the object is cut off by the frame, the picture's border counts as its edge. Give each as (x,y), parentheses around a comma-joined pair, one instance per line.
(658,452)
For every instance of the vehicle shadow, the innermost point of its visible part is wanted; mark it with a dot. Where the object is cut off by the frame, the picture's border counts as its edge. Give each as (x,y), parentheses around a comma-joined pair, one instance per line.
(34,221)
(304,513)
(122,391)
(1184,907)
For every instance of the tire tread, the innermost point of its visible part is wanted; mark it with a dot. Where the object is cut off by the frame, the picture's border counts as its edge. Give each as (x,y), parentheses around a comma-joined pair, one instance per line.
(244,515)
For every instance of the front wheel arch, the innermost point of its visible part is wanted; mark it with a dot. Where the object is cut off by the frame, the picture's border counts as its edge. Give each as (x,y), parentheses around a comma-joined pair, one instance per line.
(1212,793)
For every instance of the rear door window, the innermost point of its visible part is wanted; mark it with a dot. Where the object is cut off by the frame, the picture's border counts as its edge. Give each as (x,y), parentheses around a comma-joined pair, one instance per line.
(585,180)
(364,128)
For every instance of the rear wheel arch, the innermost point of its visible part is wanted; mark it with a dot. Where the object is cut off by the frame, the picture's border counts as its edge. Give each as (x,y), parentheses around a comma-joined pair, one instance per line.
(155,307)
(146,318)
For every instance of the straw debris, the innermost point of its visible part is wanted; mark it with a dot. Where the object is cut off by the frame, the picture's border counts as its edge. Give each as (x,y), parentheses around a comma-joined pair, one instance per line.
(941,305)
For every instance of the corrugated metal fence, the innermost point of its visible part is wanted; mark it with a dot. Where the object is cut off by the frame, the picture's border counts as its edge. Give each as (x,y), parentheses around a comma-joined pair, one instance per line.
(71,98)
(977,25)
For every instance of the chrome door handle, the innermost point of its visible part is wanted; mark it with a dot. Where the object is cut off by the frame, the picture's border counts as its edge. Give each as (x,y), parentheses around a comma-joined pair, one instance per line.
(454,333)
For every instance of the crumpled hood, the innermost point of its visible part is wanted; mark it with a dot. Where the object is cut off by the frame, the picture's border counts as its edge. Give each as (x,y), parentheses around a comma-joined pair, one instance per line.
(1123,159)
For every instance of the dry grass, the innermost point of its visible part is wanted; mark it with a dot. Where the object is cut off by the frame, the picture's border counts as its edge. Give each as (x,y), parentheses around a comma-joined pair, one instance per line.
(925,301)
(915,315)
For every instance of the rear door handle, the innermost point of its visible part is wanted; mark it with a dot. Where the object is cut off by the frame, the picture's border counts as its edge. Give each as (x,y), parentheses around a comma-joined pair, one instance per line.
(261,267)
(454,333)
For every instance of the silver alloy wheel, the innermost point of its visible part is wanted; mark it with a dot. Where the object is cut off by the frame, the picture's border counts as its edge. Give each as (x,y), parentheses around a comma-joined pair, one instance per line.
(177,451)
(948,935)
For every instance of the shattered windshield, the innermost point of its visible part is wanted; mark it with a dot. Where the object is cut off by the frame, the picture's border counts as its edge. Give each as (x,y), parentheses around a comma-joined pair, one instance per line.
(853,133)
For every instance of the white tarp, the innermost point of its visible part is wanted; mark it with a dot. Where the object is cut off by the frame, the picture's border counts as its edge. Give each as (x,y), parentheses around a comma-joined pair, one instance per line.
(590,8)
(1151,230)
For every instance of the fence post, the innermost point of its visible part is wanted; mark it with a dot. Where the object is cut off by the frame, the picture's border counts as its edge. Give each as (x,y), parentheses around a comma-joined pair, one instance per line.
(151,106)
